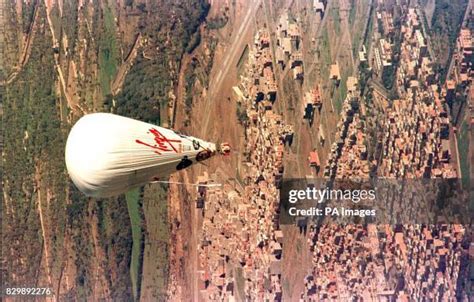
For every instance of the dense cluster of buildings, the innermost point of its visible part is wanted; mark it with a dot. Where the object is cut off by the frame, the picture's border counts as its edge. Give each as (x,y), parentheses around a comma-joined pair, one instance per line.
(348,157)
(264,87)
(462,72)
(241,244)
(289,46)
(385,263)
(383,50)
(463,57)
(415,143)
(383,55)
(385,19)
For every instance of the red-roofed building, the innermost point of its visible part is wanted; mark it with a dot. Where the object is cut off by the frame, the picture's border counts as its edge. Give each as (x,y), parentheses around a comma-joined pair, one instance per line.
(314,159)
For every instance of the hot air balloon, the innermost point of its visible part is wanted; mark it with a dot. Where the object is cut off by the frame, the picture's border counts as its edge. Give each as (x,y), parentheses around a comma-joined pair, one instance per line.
(107,154)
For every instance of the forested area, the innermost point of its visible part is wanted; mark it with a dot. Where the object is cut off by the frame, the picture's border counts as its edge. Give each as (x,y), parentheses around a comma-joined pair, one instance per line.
(146,89)
(49,226)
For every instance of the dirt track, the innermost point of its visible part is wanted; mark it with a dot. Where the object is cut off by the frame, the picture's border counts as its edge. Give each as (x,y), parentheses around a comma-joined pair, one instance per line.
(230,59)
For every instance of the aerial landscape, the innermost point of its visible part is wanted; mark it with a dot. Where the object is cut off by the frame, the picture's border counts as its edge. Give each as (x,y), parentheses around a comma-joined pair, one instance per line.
(270,93)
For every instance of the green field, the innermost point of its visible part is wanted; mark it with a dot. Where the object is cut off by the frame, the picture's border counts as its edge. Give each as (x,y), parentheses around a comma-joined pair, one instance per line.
(341,92)
(463,149)
(156,262)
(325,54)
(108,54)
(369,30)
(340,96)
(357,28)
(352,13)
(243,58)
(133,205)
(336,20)
(444,29)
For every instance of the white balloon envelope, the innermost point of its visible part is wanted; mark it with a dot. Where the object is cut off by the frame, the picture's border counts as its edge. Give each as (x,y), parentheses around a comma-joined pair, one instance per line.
(107,154)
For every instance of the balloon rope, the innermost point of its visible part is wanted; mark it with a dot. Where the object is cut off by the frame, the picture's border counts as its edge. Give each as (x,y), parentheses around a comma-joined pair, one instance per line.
(188,184)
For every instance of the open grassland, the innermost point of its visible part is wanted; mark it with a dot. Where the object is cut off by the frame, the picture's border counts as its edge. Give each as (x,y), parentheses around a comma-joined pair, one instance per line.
(108,52)
(133,205)
(325,54)
(156,252)
(336,19)
(463,148)
(444,28)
